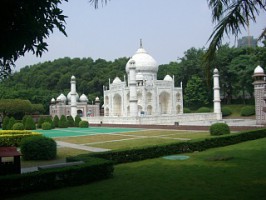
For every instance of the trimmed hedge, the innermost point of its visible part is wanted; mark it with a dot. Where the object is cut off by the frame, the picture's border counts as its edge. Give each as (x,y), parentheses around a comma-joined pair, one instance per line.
(131,155)
(203,110)
(83,124)
(38,148)
(14,137)
(93,170)
(226,111)
(18,126)
(219,129)
(247,111)
(46,126)
(62,122)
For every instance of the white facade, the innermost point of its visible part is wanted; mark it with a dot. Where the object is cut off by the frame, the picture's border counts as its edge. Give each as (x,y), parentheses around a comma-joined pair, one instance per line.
(260,95)
(73,105)
(142,94)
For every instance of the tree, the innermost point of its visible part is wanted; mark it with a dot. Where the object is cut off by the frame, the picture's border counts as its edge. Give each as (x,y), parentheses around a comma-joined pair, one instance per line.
(195,92)
(231,15)
(63,122)
(56,121)
(24,26)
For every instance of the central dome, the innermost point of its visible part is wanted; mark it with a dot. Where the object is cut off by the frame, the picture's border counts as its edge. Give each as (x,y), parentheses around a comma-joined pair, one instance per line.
(143,62)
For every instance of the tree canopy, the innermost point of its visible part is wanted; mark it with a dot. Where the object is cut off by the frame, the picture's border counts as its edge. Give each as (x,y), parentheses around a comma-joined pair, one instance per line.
(24,27)
(231,16)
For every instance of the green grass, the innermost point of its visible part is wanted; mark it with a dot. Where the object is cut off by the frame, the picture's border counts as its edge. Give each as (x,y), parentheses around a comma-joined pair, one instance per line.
(243,176)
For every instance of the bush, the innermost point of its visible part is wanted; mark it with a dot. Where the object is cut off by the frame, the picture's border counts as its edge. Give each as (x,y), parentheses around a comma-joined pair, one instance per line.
(30,124)
(186,110)
(77,120)
(40,122)
(10,138)
(18,126)
(247,111)
(38,148)
(93,170)
(62,122)
(5,123)
(46,126)
(204,110)
(83,124)
(70,121)
(56,121)
(10,124)
(226,112)
(49,120)
(219,129)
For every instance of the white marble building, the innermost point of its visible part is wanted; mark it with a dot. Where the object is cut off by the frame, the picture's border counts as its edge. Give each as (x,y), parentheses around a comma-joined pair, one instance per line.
(74,105)
(138,99)
(142,94)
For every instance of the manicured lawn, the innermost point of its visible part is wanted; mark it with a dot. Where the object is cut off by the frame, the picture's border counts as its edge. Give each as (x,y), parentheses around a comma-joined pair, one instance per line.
(135,139)
(243,177)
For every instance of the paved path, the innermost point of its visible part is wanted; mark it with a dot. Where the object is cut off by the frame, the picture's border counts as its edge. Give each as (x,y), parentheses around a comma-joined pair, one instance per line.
(79,146)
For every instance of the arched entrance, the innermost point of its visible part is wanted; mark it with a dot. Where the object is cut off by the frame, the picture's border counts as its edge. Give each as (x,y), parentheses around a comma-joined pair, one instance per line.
(117,105)
(164,103)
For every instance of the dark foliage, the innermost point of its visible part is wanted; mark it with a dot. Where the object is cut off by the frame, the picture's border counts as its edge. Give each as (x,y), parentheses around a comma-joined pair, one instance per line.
(38,148)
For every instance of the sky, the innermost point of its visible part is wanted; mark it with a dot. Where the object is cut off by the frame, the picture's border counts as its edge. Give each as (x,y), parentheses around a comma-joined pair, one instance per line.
(167,28)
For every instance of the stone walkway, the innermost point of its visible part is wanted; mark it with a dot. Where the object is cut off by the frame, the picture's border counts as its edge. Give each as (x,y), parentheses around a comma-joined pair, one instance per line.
(81,147)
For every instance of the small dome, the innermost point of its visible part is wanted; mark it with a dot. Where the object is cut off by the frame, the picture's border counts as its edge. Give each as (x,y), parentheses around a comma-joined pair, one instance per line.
(97,99)
(73,78)
(69,96)
(52,100)
(258,70)
(168,78)
(215,71)
(116,80)
(61,97)
(83,98)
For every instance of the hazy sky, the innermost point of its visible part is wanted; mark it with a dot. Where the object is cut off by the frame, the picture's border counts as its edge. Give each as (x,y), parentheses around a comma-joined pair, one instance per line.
(167,28)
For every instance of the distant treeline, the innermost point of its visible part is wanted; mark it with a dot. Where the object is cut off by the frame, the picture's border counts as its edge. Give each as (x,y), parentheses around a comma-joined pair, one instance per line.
(41,82)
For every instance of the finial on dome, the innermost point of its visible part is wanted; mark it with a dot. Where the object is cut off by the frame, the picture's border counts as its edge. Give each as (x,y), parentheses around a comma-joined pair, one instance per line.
(140,43)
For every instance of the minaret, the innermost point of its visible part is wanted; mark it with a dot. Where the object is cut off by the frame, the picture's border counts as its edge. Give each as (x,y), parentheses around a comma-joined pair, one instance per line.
(259,92)
(132,89)
(216,95)
(73,108)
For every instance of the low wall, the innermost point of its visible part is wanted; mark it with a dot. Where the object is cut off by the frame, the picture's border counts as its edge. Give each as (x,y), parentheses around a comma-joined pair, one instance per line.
(152,120)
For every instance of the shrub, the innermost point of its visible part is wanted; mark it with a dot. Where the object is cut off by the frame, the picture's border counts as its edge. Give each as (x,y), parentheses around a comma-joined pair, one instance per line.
(186,110)
(77,120)
(247,111)
(203,110)
(219,129)
(40,122)
(30,124)
(11,122)
(226,112)
(62,122)
(24,120)
(13,137)
(49,120)
(46,126)
(38,148)
(5,123)
(83,124)
(70,121)
(18,126)
(56,121)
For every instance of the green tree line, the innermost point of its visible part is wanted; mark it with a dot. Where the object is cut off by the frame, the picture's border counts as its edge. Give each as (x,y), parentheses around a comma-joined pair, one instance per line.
(41,82)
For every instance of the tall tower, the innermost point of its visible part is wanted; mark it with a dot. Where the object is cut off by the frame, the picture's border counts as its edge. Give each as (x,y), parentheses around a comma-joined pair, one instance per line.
(132,89)
(259,91)
(216,95)
(73,106)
